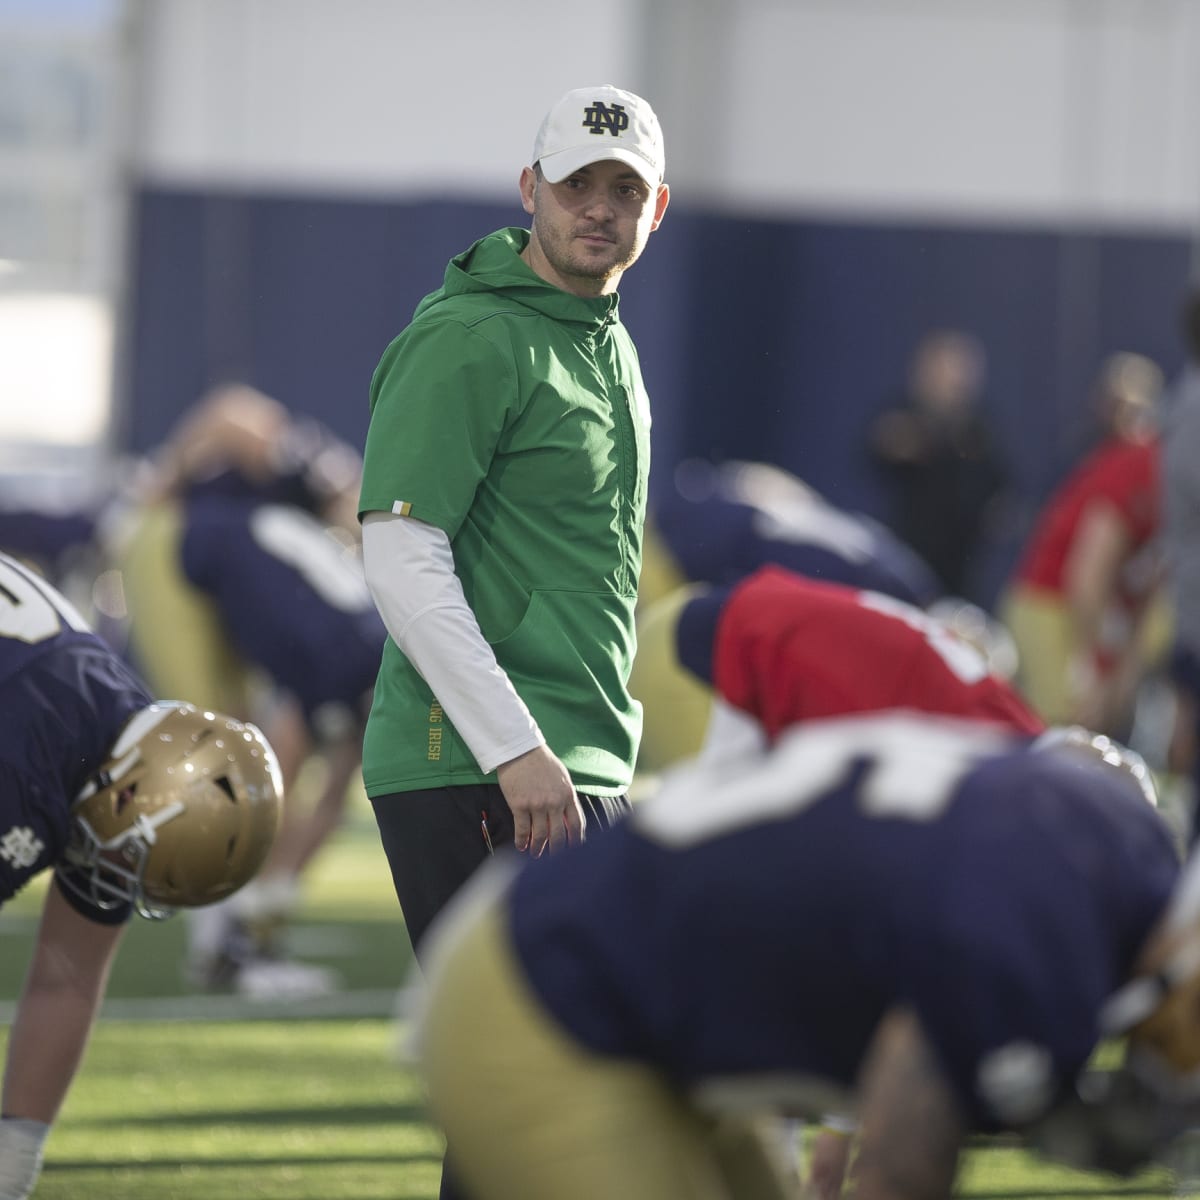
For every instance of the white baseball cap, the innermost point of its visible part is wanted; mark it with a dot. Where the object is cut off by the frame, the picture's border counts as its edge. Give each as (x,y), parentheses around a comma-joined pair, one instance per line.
(596,123)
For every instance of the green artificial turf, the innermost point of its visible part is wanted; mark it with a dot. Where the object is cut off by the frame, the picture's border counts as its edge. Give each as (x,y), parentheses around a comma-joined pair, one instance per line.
(291,1108)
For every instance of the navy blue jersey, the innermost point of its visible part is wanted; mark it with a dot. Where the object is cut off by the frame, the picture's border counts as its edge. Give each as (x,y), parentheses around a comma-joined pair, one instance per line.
(749,932)
(719,538)
(65,697)
(290,596)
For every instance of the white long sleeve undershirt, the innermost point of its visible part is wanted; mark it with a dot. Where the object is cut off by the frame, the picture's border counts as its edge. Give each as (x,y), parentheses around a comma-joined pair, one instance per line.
(409,568)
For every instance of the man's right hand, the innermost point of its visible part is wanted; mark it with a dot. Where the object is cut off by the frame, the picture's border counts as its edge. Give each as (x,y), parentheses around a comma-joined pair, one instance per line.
(546,811)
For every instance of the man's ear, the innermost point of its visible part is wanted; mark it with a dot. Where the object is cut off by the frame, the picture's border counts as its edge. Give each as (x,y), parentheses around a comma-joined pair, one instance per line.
(661,200)
(528,185)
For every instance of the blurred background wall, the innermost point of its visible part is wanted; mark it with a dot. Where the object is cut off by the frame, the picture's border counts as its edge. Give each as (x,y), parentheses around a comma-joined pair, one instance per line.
(264,189)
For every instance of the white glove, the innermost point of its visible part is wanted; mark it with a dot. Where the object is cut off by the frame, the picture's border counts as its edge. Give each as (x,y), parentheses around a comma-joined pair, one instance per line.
(21,1144)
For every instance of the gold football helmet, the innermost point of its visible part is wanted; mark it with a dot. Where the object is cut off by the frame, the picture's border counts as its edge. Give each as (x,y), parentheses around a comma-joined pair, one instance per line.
(1075,738)
(181,814)
(980,629)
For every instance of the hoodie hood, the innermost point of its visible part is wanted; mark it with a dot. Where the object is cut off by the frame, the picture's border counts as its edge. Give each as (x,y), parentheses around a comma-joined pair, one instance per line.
(493,265)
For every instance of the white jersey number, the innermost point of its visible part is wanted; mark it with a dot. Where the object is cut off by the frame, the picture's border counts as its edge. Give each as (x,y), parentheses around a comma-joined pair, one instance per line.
(960,657)
(914,766)
(30,609)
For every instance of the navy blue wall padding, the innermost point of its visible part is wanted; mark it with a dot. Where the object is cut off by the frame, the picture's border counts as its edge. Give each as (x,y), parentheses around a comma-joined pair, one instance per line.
(759,338)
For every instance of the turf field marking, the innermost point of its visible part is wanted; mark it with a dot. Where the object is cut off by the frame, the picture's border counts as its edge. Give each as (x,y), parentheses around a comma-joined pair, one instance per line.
(372,1002)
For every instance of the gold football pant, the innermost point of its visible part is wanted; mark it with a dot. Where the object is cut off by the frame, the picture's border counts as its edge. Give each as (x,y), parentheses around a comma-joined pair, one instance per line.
(1040,625)
(530,1114)
(175,631)
(676,706)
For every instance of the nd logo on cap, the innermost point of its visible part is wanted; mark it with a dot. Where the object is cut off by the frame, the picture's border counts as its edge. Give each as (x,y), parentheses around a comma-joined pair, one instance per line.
(601,119)
(593,124)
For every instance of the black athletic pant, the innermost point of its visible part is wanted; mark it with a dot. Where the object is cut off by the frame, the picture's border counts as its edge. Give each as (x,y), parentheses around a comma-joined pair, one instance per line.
(434,842)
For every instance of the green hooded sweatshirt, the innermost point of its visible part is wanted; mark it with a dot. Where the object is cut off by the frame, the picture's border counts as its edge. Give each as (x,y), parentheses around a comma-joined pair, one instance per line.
(512,415)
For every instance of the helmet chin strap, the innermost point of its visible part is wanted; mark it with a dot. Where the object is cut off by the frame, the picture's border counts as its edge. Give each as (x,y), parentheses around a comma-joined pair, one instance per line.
(146,827)
(106,777)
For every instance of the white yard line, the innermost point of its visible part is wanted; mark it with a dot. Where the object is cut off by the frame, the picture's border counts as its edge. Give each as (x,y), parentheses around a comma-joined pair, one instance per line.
(374,1002)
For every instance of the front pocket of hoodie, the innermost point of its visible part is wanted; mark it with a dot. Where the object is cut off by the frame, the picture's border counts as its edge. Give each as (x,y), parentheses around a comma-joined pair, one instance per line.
(571,696)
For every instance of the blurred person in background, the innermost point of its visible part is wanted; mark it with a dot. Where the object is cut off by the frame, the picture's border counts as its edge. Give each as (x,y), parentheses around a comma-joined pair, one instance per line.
(777,649)
(736,667)
(835,927)
(134,804)
(53,539)
(1181,548)
(62,542)
(718,522)
(937,455)
(503,499)
(1081,603)
(242,575)
(721,524)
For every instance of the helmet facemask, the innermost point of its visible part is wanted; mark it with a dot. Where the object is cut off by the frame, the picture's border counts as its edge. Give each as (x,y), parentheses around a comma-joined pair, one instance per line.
(1157,1013)
(1125,1119)
(111,873)
(1160,1013)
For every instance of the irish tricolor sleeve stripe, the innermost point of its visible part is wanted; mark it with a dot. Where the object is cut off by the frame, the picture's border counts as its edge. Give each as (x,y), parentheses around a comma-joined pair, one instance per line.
(401,508)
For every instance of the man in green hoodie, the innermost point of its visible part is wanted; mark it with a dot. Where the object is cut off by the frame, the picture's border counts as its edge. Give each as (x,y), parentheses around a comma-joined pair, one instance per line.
(502,502)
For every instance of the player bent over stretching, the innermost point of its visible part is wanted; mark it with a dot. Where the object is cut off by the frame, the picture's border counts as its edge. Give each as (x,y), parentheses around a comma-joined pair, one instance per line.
(134,805)
(840,926)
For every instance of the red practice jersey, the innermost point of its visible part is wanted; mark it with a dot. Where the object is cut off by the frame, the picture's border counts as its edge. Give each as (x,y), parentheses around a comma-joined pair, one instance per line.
(789,649)
(1121,473)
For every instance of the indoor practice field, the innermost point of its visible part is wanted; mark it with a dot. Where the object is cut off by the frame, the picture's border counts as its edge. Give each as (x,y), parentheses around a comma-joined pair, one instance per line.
(191,1097)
